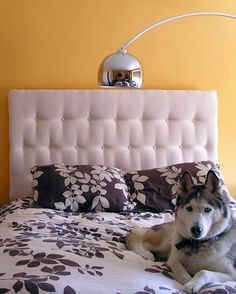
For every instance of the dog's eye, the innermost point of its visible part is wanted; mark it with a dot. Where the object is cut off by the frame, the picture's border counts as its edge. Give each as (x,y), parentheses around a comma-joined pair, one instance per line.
(189,208)
(207,209)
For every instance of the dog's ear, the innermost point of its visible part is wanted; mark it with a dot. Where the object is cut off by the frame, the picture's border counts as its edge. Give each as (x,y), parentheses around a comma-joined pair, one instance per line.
(185,183)
(212,182)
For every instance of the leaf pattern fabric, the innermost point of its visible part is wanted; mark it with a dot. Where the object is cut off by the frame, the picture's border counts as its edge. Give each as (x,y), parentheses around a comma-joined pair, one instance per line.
(81,188)
(51,251)
(156,189)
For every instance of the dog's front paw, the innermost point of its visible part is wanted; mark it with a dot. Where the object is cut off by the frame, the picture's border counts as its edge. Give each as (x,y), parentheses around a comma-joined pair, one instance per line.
(148,255)
(191,287)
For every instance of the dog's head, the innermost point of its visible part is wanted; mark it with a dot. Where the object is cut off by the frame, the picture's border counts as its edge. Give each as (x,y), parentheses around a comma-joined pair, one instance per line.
(201,210)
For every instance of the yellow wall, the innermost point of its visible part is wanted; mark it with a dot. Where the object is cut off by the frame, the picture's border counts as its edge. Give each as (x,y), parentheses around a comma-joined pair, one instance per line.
(60,43)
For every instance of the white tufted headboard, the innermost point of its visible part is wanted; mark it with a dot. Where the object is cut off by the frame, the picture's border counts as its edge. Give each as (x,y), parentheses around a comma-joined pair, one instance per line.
(129,129)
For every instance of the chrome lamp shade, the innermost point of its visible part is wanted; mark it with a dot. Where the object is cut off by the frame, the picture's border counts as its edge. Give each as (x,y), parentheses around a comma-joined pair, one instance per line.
(120,69)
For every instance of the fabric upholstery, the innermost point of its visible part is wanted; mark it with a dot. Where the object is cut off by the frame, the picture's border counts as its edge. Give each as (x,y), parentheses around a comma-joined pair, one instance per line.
(80,188)
(156,189)
(127,129)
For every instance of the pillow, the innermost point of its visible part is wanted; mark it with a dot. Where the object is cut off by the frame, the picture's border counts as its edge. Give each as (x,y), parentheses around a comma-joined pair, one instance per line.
(80,188)
(156,189)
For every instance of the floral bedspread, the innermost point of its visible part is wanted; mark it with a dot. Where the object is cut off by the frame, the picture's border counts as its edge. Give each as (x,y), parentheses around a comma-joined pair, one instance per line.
(49,251)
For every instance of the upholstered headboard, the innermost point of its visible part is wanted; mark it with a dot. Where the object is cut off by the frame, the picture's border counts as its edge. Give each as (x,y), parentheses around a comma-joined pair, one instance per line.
(129,129)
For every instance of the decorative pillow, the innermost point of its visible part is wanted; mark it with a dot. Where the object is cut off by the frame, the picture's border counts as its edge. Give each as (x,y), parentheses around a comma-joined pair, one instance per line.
(156,189)
(80,188)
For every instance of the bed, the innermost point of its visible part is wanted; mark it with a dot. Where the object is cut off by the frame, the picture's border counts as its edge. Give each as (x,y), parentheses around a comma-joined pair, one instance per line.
(102,151)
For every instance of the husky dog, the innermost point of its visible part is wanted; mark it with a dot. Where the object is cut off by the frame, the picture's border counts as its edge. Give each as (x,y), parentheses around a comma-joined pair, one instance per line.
(200,245)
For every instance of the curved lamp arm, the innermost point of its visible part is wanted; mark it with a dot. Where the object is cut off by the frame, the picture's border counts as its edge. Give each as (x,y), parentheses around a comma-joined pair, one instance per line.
(158,23)
(121,69)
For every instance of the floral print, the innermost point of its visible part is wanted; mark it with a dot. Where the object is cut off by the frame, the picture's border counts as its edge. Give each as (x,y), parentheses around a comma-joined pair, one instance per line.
(156,189)
(52,251)
(81,188)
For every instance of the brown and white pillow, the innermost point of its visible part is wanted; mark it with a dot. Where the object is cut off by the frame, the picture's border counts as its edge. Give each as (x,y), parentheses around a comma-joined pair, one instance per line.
(81,188)
(156,189)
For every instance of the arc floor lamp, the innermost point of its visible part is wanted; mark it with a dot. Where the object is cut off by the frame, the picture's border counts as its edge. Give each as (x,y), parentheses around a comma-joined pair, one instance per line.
(121,69)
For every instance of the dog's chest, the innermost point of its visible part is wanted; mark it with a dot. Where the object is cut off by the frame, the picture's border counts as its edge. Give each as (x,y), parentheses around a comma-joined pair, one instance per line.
(207,255)
(196,248)
(197,256)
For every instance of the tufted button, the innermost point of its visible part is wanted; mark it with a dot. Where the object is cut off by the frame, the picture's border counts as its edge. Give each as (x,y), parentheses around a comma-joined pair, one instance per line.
(24,147)
(167,120)
(115,119)
(180,147)
(193,120)
(129,147)
(141,119)
(102,147)
(205,146)
(76,147)
(88,119)
(62,118)
(155,147)
(37,119)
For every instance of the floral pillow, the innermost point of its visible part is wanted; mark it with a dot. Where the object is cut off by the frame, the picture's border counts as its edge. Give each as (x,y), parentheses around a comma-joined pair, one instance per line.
(156,189)
(80,188)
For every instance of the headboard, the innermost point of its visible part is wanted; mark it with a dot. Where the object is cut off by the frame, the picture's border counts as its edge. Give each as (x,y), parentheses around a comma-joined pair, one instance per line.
(129,129)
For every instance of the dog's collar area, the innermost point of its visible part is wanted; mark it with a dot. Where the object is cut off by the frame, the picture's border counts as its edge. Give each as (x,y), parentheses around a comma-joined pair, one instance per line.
(182,244)
(194,245)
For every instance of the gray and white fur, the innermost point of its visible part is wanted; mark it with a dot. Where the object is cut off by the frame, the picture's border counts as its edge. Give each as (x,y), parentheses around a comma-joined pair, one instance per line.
(200,245)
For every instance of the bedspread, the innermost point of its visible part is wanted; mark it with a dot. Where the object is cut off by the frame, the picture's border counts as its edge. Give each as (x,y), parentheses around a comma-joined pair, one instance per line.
(49,251)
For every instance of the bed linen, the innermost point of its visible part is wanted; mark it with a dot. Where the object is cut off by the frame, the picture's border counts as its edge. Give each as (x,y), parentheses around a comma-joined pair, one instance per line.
(50,251)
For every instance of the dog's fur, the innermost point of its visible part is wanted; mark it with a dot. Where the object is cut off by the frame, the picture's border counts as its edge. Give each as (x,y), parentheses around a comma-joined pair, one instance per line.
(200,245)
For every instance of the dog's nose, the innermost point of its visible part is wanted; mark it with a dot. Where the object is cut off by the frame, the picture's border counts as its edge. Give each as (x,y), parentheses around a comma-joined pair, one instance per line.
(196,231)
